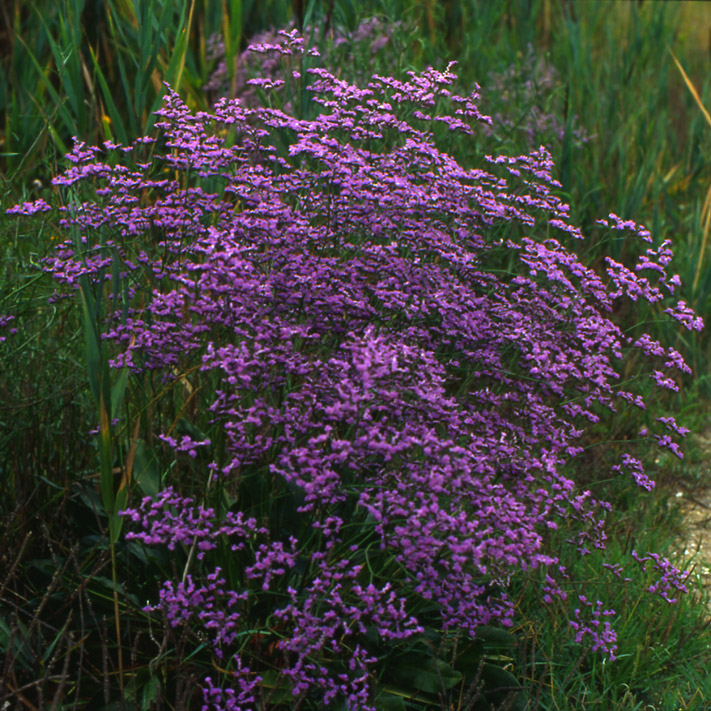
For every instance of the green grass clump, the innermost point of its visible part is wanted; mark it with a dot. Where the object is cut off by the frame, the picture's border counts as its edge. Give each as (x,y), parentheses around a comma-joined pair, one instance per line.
(650,671)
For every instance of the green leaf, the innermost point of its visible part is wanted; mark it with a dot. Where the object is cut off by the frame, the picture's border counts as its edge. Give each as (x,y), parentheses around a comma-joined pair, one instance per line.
(117,123)
(177,63)
(63,113)
(231,33)
(495,637)
(90,499)
(495,677)
(185,427)
(91,339)
(469,656)
(23,654)
(150,693)
(108,584)
(116,521)
(50,649)
(118,390)
(146,472)
(385,701)
(419,672)
(106,456)
(278,689)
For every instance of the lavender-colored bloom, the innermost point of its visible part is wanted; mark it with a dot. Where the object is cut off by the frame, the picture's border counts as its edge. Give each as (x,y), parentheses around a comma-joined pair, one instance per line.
(589,624)
(670,578)
(4,321)
(346,298)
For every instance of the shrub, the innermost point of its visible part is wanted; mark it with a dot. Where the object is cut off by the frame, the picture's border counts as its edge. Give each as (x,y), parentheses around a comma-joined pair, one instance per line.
(390,359)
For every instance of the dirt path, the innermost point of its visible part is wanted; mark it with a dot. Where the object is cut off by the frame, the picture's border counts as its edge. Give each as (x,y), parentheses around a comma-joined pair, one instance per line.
(696,507)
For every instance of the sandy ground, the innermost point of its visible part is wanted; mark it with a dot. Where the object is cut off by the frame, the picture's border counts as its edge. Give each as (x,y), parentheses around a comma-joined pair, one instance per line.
(697,545)
(696,507)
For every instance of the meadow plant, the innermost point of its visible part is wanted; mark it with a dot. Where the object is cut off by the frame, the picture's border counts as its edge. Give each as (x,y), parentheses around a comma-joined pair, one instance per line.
(403,355)
(337,46)
(526,98)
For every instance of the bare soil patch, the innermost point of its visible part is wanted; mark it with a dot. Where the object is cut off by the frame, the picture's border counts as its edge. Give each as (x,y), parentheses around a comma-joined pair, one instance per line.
(696,510)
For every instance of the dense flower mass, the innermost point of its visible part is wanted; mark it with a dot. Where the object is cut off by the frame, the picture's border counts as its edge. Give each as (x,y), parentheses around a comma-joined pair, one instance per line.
(402,345)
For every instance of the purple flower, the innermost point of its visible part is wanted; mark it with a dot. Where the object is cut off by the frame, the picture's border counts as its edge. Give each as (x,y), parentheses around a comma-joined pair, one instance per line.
(392,410)
(589,625)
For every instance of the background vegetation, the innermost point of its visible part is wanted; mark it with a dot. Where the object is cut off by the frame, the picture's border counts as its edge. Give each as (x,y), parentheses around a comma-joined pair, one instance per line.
(627,136)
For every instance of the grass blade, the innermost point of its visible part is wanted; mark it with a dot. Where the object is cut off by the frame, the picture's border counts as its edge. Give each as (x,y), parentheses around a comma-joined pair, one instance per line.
(691,88)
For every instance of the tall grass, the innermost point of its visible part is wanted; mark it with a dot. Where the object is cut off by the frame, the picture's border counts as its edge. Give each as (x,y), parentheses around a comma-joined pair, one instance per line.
(72,633)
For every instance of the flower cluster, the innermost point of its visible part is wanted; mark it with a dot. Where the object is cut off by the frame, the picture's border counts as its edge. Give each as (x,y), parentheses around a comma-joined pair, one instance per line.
(4,322)
(403,347)
(600,633)
(670,578)
(212,605)
(262,64)
(172,520)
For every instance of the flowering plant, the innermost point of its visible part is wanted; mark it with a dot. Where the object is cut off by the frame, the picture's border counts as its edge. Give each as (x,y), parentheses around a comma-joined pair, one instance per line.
(531,89)
(339,48)
(400,354)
